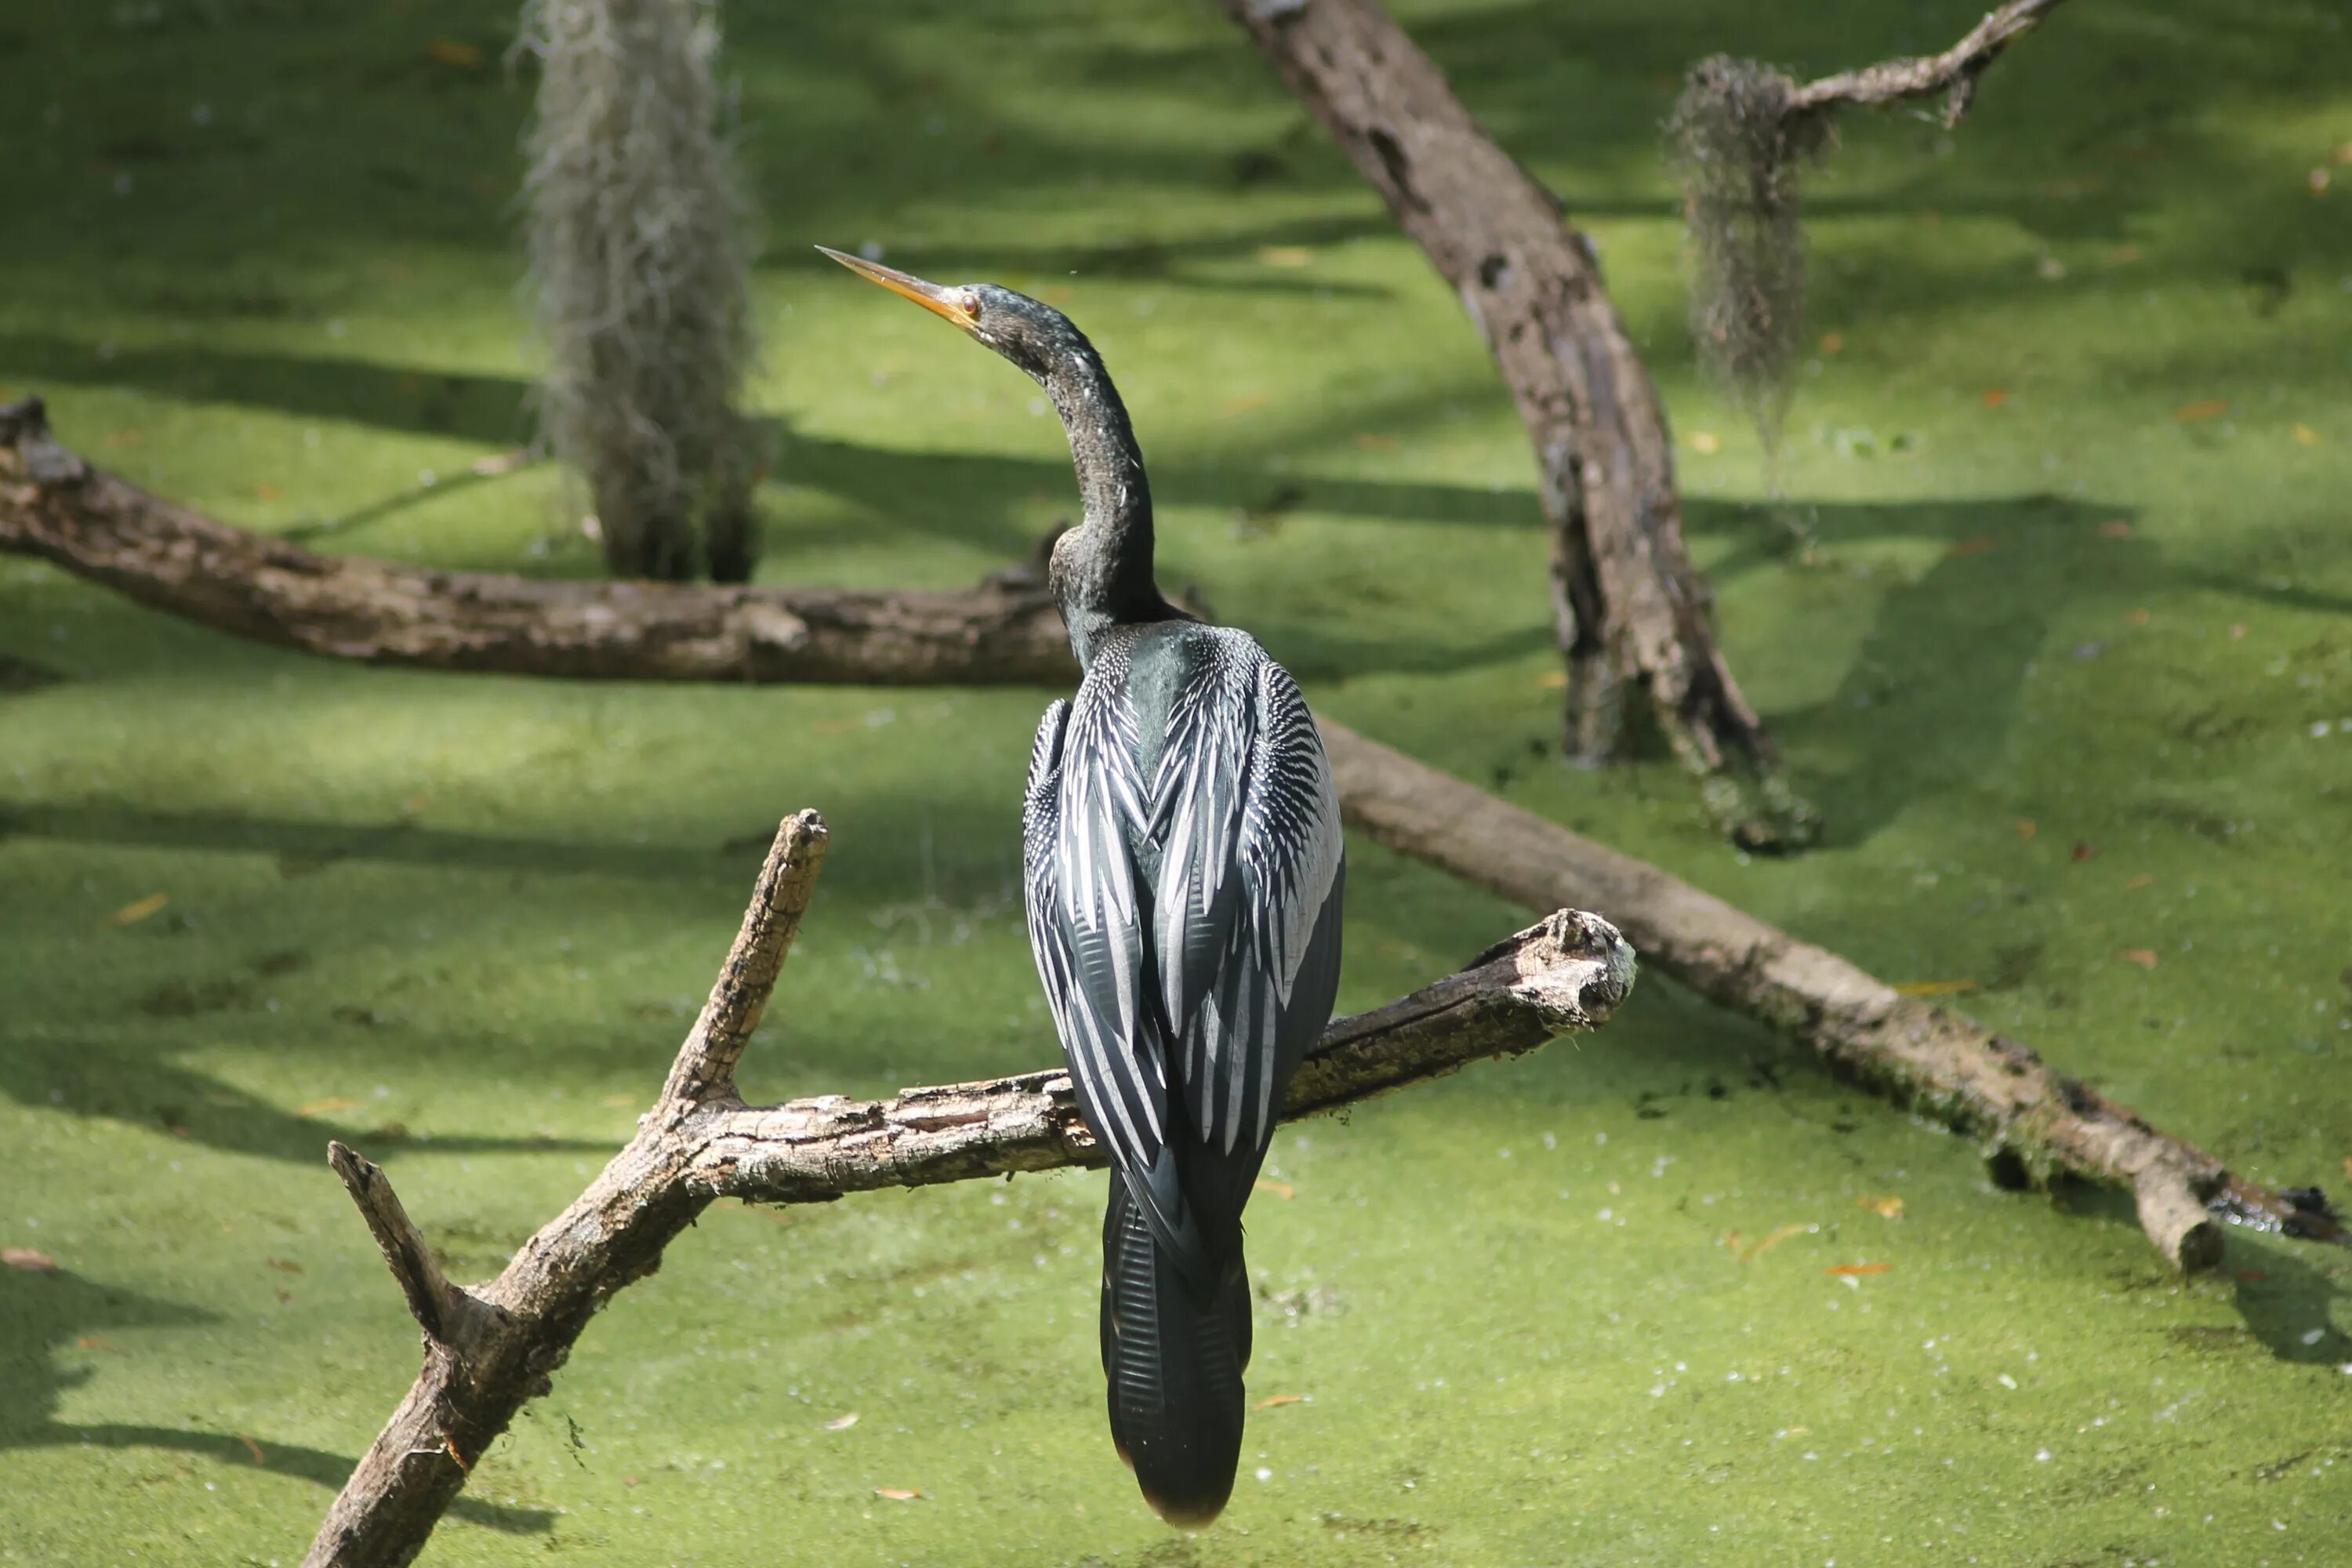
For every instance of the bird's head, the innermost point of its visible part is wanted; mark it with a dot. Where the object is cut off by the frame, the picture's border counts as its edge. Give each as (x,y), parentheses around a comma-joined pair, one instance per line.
(1029,334)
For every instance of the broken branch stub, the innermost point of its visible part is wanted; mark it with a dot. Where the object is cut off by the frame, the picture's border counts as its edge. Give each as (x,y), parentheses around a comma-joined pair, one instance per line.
(433,1301)
(706,1064)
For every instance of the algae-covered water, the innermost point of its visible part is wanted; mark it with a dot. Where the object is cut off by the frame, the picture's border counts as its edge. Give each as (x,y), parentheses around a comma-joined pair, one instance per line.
(2068,666)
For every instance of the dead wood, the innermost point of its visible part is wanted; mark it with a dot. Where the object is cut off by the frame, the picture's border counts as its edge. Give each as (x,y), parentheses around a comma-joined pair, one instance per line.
(491,1348)
(1934,1061)
(1953,73)
(1631,611)
(1938,1063)
(98,525)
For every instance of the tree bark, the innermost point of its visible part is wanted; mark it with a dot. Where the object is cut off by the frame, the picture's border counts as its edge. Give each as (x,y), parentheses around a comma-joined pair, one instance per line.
(491,1350)
(1938,1063)
(1953,73)
(1631,611)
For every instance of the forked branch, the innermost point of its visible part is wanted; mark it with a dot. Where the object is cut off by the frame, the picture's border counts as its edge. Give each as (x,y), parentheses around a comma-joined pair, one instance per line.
(491,1350)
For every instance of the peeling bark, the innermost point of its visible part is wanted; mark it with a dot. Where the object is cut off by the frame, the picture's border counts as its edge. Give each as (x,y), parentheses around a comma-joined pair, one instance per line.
(1631,612)
(491,1350)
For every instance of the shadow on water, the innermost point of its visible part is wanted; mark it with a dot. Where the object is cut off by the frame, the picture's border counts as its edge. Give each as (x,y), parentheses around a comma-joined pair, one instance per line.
(2281,1297)
(1908,719)
(132,1075)
(981,488)
(129,1066)
(47,1317)
(484,408)
(1579,99)
(307,848)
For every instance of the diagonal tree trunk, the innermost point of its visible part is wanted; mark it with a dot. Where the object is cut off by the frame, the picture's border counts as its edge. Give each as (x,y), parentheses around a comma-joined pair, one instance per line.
(1632,612)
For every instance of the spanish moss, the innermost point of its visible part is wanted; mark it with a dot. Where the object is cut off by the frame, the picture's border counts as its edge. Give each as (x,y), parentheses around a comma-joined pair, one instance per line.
(1741,152)
(638,267)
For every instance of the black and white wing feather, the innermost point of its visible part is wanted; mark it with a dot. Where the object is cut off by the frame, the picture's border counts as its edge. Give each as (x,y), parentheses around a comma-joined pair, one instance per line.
(1186,925)
(1247,820)
(1085,923)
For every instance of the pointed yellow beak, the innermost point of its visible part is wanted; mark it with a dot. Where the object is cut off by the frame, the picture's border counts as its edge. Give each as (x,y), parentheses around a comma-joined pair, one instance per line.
(947,302)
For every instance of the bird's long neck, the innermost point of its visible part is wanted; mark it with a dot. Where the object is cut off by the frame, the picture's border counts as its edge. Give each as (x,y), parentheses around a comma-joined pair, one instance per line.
(1102,569)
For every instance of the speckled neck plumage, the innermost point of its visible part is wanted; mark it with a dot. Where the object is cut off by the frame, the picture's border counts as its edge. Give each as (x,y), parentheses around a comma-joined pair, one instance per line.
(1102,570)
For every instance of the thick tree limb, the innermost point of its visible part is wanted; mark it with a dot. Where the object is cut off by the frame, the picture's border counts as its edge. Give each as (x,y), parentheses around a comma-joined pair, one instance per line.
(1936,1062)
(102,527)
(490,1351)
(1567,974)
(1630,608)
(1953,73)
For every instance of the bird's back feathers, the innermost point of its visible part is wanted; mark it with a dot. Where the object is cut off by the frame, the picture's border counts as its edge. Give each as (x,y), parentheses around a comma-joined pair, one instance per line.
(1183,872)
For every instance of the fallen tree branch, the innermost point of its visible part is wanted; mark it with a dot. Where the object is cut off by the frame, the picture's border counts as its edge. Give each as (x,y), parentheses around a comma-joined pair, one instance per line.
(1938,1063)
(1941,1065)
(97,525)
(1953,73)
(490,1350)
(1630,609)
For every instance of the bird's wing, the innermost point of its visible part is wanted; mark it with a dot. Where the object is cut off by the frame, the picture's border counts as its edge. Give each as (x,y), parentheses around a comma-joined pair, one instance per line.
(1089,935)
(1248,821)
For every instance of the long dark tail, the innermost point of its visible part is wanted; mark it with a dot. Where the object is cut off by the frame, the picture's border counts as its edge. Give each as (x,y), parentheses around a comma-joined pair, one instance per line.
(1174,1361)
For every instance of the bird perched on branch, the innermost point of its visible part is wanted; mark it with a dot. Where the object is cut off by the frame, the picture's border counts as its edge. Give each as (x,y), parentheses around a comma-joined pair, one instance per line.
(1184,868)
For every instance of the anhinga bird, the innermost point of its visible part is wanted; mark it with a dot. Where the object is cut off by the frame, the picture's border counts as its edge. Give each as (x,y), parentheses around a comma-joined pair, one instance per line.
(1182,867)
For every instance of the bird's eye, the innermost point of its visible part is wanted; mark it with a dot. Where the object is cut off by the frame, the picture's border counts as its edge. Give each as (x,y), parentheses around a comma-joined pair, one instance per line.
(972,303)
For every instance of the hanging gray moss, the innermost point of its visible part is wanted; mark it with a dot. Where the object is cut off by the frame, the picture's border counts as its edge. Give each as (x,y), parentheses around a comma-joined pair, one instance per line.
(1742,153)
(638,271)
